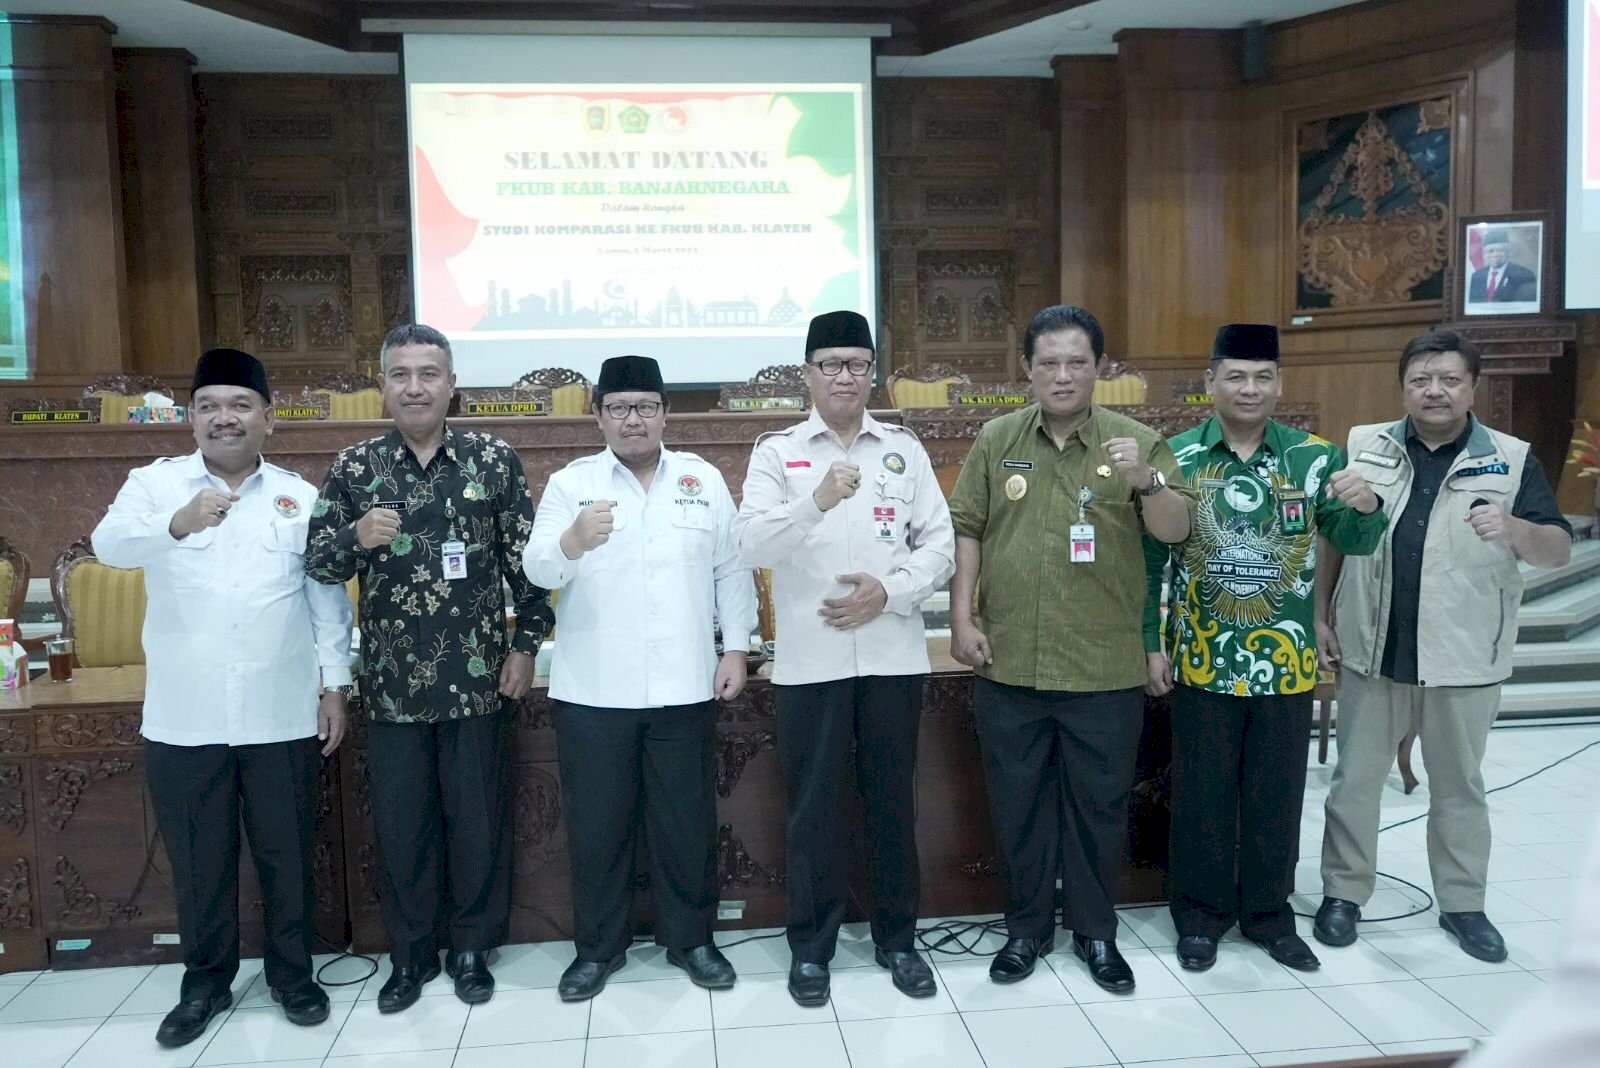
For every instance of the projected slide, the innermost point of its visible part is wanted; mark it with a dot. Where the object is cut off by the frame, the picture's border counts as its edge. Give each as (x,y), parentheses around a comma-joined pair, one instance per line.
(13,325)
(1581,277)
(703,224)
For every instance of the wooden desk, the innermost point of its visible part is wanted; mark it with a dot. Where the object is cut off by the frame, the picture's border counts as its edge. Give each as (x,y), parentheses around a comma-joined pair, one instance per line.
(83,878)
(960,873)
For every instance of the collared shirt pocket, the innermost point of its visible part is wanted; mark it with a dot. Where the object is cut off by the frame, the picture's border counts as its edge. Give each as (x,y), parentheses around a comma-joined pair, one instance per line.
(188,567)
(693,535)
(898,488)
(285,542)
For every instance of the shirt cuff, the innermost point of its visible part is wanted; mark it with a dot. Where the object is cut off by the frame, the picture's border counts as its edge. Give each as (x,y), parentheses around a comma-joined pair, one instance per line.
(525,639)
(336,675)
(345,540)
(1152,643)
(899,588)
(806,514)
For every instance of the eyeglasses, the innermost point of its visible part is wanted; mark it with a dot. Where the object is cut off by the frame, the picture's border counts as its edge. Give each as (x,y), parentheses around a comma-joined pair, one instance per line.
(831,368)
(646,410)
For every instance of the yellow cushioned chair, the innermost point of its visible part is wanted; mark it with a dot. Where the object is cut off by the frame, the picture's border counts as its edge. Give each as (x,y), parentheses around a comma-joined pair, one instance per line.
(118,395)
(925,387)
(1120,384)
(351,396)
(14,570)
(569,390)
(101,607)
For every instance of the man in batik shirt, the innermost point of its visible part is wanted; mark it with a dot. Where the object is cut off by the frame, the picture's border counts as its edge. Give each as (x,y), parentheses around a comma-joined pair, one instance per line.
(433,520)
(1242,641)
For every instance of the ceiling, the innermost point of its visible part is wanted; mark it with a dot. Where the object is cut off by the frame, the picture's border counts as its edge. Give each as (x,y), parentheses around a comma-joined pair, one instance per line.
(928,37)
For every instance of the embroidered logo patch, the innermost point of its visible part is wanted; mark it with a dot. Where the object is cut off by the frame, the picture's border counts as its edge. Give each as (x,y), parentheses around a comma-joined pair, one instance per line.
(287,506)
(1499,467)
(894,463)
(689,486)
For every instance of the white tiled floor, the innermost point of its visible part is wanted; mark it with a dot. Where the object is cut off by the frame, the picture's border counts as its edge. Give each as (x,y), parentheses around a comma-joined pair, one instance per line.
(1404,987)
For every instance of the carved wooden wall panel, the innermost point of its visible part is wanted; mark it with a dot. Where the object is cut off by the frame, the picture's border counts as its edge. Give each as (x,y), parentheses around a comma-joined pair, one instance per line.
(21,926)
(967,206)
(305,212)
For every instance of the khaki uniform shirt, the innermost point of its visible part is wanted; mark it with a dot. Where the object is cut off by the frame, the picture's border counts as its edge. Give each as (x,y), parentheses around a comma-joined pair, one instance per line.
(1053,624)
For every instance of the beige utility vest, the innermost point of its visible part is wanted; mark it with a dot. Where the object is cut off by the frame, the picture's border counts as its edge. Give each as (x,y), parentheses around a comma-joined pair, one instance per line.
(1470,590)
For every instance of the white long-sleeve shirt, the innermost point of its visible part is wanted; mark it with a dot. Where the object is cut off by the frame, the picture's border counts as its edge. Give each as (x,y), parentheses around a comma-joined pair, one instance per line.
(634,623)
(238,640)
(895,528)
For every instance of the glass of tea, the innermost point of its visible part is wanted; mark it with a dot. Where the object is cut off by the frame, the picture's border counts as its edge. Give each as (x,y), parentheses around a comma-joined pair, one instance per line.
(61,655)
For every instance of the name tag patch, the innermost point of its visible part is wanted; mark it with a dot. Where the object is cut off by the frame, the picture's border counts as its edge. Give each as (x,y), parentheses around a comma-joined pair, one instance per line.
(1378,458)
(1017,465)
(1500,467)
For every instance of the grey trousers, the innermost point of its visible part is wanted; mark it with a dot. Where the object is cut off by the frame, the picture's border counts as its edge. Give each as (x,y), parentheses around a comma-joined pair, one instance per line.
(1452,723)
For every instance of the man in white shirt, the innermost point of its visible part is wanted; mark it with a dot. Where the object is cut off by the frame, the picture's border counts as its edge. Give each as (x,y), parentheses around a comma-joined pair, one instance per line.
(639,538)
(851,566)
(239,644)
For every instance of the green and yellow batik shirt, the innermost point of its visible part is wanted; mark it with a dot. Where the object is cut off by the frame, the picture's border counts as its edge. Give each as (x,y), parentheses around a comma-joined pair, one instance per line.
(1240,606)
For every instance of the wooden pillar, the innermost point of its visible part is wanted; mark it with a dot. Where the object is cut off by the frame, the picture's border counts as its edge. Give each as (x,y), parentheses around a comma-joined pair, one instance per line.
(1093,201)
(73,272)
(1186,243)
(160,216)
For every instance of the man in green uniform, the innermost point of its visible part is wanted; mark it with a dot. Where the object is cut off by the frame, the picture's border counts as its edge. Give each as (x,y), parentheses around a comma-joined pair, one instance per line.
(1049,513)
(1241,637)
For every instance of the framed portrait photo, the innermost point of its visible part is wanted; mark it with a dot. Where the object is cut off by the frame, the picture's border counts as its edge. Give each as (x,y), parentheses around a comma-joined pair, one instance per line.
(1504,266)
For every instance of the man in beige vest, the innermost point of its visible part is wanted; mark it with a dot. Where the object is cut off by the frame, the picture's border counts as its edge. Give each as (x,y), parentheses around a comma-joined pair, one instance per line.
(1423,631)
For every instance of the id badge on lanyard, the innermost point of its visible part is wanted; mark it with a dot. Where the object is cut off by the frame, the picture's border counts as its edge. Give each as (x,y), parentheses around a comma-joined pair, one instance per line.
(1081,533)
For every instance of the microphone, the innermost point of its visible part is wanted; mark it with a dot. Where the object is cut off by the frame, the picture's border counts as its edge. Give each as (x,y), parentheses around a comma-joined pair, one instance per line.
(1479,502)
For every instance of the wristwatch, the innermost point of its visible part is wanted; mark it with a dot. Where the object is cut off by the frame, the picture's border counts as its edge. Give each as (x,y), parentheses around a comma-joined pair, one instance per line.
(1158,482)
(343,691)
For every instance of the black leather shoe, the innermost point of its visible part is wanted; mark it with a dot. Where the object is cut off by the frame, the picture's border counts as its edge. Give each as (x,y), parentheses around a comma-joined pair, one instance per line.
(304,1006)
(808,983)
(470,970)
(405,986)
(188,1019)
(1476,934)
(1017,957)
(911,974)
(1106,966)
(1291,951)
(1197,952)
(706,966)
(583,979)
(1336,922)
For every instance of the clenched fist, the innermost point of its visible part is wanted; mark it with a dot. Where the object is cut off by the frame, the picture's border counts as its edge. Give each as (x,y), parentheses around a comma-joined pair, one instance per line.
(590,530)
(1132,466)
(206,509)
(378,527)
(839,484)
(1490,522)
(1349,487)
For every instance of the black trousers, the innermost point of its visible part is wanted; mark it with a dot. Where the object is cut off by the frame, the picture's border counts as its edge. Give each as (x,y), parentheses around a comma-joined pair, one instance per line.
(1238,779)
(443,835)
(615,762)
(199,793)
(817,723)
(1059,766)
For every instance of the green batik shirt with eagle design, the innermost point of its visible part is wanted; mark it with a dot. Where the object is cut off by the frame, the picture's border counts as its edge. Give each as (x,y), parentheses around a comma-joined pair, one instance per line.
(1240,605)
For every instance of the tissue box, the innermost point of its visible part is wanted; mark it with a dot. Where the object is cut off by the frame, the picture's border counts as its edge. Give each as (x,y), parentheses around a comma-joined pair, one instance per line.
(146,414)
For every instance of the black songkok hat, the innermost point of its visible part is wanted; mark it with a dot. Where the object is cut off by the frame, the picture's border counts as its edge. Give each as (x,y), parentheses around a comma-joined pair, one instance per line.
(839,330)
(1496,237)
(230,367)
(1245,341)
(629,374)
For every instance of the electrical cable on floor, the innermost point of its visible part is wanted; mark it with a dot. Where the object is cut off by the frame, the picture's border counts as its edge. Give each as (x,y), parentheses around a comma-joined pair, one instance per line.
(1420,909)
(964,938)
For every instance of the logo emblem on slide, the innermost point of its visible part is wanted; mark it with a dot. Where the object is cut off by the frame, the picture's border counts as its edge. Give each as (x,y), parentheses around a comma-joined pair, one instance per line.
(689,486)
(674,119)
(596,117)
(634,119)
